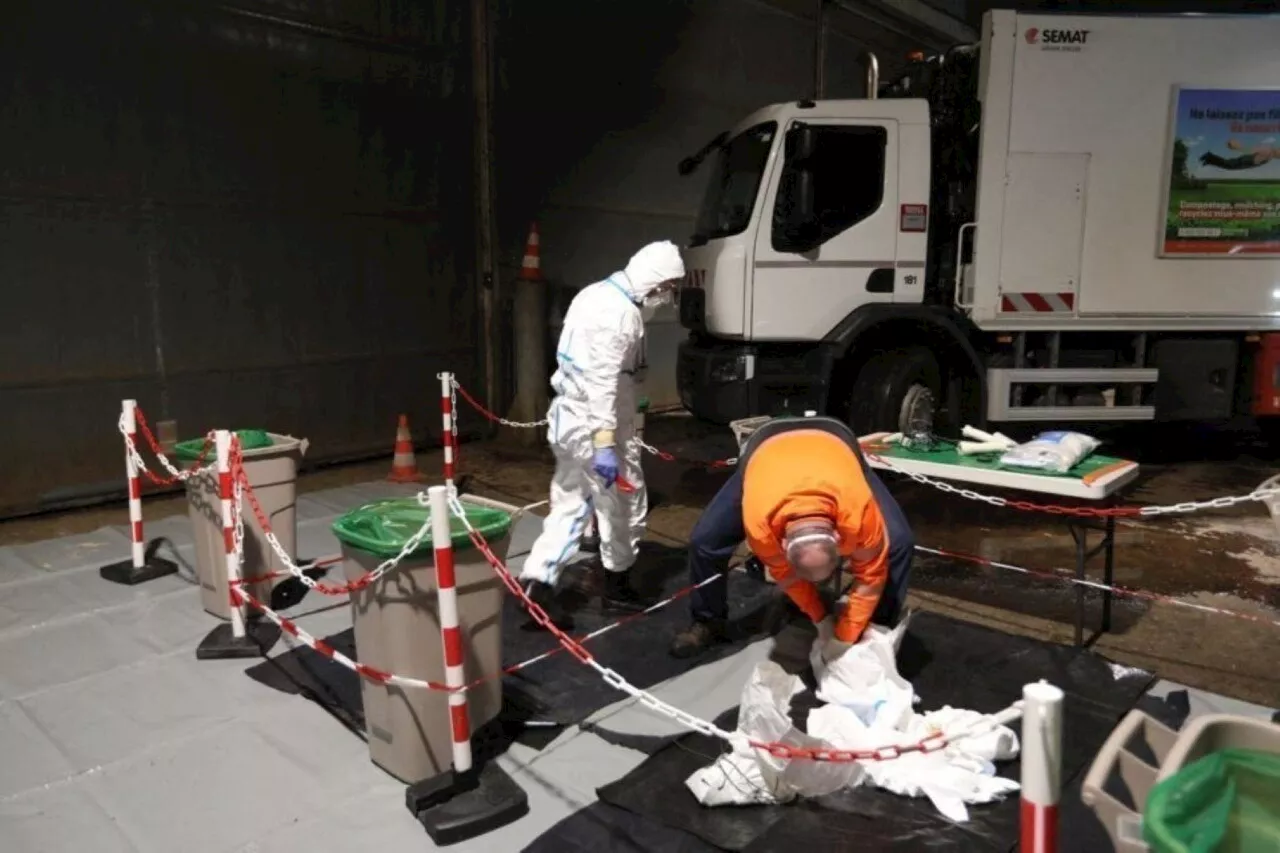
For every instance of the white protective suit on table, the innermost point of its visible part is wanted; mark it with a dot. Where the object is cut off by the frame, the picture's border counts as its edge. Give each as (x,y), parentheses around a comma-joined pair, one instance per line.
(601,347)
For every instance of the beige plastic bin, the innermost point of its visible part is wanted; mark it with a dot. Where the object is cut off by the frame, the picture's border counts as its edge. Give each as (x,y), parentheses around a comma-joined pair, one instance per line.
(397,630)
(272,473)
(1172,751)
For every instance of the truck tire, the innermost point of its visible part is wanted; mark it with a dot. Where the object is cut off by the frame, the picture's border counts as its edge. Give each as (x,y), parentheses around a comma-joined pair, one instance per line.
(894,387)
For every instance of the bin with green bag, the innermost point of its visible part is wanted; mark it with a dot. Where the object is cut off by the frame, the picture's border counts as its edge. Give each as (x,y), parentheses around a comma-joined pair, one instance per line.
(397,626)
(271,464)
(1214,786)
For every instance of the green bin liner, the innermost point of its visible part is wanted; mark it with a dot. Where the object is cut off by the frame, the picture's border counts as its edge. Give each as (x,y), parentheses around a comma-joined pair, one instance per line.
(382,528)
(1228,801)
(643,405)
(250,439)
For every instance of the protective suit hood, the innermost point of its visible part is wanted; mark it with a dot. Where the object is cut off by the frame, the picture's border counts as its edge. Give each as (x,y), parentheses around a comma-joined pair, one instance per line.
(651,266)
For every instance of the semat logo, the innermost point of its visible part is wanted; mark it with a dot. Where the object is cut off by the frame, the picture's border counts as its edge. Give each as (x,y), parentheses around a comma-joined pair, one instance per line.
(1052,39)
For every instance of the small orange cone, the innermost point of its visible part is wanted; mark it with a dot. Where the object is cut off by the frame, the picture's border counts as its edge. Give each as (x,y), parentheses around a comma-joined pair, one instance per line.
(531,266)
(404,465)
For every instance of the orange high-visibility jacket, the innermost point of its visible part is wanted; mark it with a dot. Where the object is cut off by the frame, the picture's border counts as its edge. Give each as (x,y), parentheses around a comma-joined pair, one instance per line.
(808,472)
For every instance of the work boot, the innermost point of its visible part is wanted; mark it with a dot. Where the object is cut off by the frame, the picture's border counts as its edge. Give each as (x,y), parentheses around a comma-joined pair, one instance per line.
(544,595)
(618,593)
(698,638)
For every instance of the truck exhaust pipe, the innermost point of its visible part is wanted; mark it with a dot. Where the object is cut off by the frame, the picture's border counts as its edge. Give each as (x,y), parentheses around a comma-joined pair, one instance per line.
(873,76)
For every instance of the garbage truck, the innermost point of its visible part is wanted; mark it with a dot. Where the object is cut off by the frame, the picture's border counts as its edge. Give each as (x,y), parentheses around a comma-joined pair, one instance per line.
(1076,219)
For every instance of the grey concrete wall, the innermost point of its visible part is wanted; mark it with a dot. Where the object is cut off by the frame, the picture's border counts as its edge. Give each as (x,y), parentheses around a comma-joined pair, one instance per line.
(237,221)
(598,102)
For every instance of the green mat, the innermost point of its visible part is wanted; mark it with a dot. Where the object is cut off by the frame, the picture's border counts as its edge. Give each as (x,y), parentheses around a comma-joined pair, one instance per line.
(946,454)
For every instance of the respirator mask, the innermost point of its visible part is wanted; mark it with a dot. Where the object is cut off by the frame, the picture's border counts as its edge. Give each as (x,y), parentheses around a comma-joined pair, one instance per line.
(650,304)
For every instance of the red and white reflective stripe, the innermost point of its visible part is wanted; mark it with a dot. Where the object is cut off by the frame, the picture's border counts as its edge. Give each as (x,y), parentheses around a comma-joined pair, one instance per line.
(450,632)
(1041,767)
(226,494)
(1038,303)
(129,419)
(446,423)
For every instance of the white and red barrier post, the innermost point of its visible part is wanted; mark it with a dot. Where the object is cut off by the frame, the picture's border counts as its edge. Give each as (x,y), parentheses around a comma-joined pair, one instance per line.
(1041,767)
(447,415)
(140,566)
(229,640)
(450,631)
(226,496)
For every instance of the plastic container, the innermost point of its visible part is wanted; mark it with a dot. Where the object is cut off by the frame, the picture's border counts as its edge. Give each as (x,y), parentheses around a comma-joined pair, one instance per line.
(397,627)
(272,470)
(1124,753)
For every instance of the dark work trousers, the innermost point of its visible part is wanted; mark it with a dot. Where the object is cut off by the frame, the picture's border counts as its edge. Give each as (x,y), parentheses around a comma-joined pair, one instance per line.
(719,532)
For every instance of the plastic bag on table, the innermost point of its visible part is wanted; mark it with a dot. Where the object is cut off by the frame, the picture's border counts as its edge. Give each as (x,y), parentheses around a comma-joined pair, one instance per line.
(1058,451)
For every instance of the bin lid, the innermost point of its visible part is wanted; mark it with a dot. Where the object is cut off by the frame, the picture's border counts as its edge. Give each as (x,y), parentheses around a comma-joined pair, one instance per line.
(1228,800)
(250,439)
(383,527)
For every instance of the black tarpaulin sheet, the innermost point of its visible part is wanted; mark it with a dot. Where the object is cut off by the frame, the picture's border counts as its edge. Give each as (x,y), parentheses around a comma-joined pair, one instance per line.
(560,689)
(950,663)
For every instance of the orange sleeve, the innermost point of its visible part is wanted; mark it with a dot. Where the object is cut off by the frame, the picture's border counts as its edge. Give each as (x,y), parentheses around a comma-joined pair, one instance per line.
(862,526)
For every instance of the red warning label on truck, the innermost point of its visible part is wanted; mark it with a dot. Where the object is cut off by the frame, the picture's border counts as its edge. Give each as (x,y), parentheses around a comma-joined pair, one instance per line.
(914,218)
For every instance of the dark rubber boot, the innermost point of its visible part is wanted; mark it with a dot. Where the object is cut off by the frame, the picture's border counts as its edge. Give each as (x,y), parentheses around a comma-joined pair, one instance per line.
(544,595)
(698,638)
(619,595)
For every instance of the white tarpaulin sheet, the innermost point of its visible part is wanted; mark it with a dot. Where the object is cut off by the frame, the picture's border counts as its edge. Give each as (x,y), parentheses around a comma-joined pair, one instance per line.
(868,705)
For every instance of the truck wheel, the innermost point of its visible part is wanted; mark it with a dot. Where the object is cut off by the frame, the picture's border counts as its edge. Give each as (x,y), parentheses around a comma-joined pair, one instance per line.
(895,389)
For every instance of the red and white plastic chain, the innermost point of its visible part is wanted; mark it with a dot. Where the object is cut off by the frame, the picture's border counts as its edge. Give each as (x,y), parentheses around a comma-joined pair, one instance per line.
(297,632)
(475,404)
(175,475)
(1122,591)
(1080,511)
(778,750)
(648,448)
(943,486)
(410,545)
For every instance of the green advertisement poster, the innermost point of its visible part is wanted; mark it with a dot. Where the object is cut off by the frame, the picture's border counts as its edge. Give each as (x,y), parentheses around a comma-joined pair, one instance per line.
(1224,176)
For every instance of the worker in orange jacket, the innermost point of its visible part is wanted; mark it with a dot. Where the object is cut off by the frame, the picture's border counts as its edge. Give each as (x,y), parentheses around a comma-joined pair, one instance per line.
(805,501)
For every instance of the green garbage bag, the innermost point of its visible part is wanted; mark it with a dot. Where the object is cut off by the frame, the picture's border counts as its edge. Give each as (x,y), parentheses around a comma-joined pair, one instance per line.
(382,528)
(250,439)
(1226,802)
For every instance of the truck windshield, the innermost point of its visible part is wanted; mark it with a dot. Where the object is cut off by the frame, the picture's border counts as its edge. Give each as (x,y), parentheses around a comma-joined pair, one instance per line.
(731,194)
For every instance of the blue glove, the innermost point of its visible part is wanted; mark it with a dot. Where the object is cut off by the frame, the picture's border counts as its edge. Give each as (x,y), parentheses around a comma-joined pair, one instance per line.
(605,463)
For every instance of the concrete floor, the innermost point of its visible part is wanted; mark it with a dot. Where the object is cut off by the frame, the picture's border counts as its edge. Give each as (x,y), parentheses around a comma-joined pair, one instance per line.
(114,738)
(1224,558)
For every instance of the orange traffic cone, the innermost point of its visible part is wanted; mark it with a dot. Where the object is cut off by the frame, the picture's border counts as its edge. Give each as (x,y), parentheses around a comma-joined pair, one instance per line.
(404,465)
(531,266)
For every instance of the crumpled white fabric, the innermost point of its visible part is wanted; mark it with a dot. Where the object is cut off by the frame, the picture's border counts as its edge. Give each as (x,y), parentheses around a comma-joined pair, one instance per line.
(869,705)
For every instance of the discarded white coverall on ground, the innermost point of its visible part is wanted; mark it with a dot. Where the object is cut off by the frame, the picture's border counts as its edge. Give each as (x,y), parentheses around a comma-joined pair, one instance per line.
(869,705)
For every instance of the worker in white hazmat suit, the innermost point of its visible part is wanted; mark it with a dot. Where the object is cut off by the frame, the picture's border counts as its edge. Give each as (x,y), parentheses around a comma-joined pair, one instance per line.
(590,429)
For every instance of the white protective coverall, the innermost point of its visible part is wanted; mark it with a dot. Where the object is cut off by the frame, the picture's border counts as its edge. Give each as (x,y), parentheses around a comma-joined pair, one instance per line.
(600,348)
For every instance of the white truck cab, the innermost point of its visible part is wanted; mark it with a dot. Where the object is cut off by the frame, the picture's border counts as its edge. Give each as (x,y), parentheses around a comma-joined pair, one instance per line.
(981,239)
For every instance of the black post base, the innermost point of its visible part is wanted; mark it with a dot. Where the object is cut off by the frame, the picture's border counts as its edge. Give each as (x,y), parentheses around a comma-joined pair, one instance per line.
(454,807)
(125,572)
(220,644)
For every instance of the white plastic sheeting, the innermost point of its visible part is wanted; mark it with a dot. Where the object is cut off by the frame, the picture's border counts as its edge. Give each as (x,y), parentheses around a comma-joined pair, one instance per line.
(869,705)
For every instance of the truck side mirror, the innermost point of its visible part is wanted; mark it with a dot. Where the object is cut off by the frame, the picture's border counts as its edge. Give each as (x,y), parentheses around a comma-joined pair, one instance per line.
(795,221)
